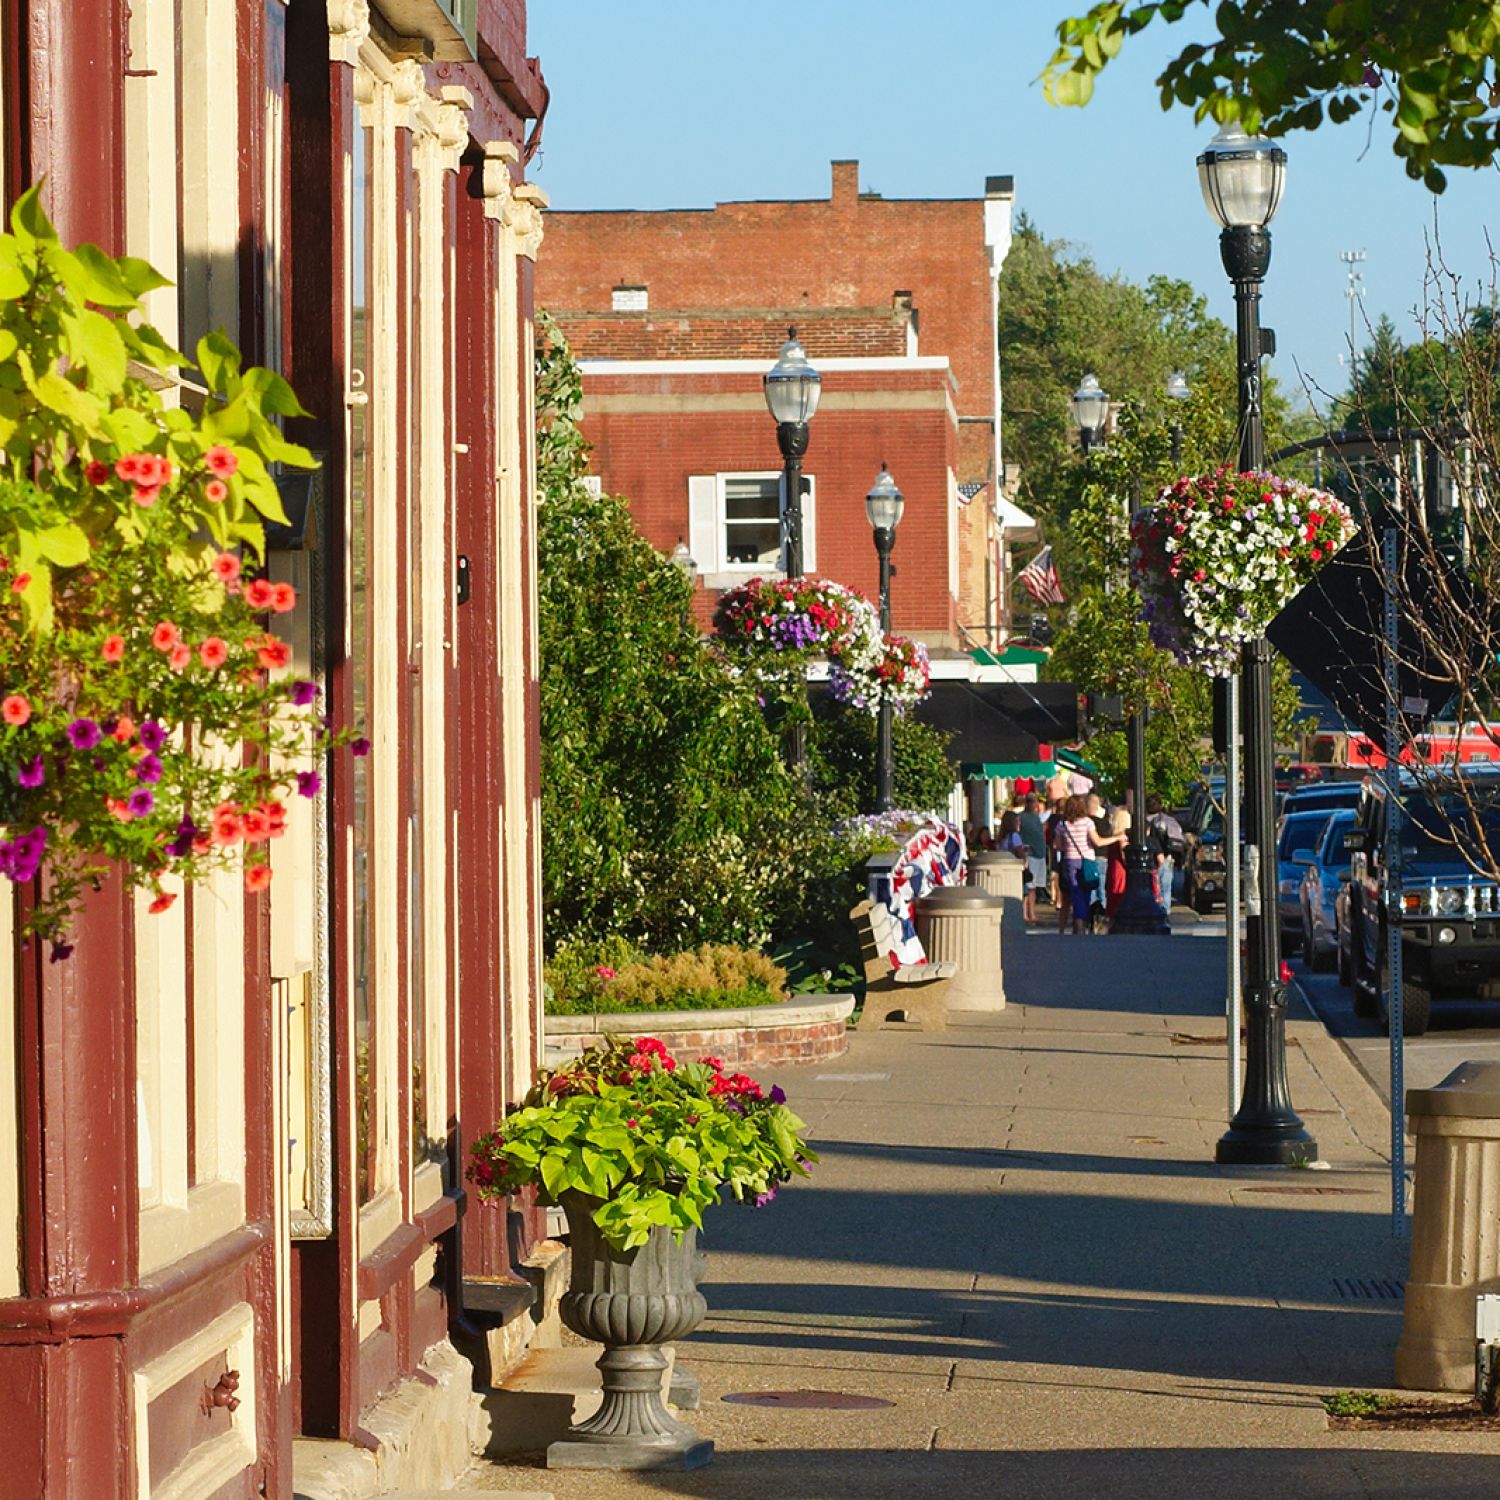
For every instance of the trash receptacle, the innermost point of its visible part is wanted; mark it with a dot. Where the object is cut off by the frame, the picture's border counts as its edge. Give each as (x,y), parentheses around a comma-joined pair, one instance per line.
(999,874)
(961,923)
(1455,1249)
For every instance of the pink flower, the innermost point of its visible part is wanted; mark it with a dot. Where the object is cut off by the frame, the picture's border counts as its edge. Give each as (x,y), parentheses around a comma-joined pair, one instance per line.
(165,636)
(216,492)
(213,652)
(226,567)
(604,971)
(15,710)
(181,654)
(221,461)
(113,648)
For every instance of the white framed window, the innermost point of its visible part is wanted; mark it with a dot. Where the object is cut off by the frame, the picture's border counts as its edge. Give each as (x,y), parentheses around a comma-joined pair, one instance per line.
(734,525)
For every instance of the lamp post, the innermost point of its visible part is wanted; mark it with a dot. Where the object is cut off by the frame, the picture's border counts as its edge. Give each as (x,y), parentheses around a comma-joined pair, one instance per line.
(883,505)
(792,390)
(1177,392)
(684,561)
(1242,180)
(1089,409)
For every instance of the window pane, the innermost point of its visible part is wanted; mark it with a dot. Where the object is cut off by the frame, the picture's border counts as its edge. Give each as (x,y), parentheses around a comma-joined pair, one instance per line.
(752,520)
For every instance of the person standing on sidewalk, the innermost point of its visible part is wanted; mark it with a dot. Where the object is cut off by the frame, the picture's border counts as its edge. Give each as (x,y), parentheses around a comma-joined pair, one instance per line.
(1164,842)
(1077,844)
(1034,836)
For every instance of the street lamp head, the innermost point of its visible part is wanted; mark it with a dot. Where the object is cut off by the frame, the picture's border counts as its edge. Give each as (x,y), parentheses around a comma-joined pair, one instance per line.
(1177,386)
(1089,406)
(1242,177)
(792,385)
(681,558)
(884,503)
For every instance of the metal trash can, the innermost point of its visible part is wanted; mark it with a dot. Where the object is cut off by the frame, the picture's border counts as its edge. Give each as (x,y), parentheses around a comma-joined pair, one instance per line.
(1455,1241)
(961,923)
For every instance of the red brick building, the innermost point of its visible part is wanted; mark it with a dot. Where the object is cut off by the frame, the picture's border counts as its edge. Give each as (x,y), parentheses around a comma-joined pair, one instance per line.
(676,316)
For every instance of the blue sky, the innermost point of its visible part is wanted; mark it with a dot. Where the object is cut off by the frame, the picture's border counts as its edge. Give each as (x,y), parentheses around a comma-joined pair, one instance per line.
(665,104)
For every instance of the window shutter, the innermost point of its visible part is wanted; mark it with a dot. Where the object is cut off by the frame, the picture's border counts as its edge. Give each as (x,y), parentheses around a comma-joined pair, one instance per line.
(809,521)
(705,535)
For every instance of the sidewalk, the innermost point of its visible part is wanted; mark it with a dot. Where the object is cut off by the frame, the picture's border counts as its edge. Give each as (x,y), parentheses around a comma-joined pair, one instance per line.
(1017,1236)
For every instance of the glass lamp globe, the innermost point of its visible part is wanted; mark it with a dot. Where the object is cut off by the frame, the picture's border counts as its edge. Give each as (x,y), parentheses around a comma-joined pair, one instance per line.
(1242,177)
(884,503)
(1177,386)
(681,558)
(1090,405)
(792,385)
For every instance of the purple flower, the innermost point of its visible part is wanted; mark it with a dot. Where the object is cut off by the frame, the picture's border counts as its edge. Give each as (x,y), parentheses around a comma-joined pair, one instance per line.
(141,801)
(34,774)
(60,951)
(21,856)
(83,734)
(182,845)
(778,1094)
(360,747)
(153,736)
(304,692)
(309,783)
(761,1199)
(148,768)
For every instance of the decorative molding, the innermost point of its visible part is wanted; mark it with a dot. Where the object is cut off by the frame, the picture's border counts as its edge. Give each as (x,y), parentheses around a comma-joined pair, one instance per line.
(495,180)
(525,217)
(348,29)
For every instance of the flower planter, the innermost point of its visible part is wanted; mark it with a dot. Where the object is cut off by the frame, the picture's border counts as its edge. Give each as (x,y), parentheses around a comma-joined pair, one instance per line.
(632,1302)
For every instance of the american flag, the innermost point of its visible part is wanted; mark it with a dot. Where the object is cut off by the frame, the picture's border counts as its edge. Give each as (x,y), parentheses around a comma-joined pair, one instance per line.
(1041,580)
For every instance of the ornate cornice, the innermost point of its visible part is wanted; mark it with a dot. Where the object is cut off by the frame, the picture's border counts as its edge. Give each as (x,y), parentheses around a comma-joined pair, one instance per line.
(526,218)
(495,180)
(348,29)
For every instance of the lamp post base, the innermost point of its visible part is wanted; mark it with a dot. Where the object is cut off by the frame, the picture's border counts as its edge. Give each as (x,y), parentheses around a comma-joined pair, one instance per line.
(1139,914)
(1266,1146)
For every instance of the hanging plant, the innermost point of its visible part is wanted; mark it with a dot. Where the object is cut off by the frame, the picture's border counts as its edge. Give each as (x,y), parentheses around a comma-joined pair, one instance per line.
(1218,555)
(775,628)
(147,723)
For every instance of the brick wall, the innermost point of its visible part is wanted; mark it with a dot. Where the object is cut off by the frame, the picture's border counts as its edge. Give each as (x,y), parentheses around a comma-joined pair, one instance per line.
(852,250)
(648,457)
(737,333)
(738,1048)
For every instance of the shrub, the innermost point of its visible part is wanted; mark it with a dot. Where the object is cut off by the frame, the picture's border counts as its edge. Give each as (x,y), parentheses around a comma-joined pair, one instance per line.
(709,977)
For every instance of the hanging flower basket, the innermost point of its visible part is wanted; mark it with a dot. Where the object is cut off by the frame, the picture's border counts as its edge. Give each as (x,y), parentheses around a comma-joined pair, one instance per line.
(1218,555)
(776,627)
(148,720)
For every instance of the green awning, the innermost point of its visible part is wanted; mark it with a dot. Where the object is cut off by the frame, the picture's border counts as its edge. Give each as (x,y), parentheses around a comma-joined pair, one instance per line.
(1010,656)
(1075,762)
(1038,770)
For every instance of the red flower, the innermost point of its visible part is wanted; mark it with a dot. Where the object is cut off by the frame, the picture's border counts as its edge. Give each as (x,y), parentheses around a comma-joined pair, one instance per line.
(180,655)
(259,593)
(96,472)
(164,900)
(165,636)
(283,598)
(124,730)
(221,461)
(226,567)
(15,710)
(145,494)
(216,491)
(18,584)
(113,648)
(257,877)
(255,825)
(213,652)
(273,653)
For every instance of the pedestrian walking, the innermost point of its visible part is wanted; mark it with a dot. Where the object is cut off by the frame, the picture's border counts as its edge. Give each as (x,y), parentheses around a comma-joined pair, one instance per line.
(1114,869)
(1166,844)
(1077,844)
(1033,829)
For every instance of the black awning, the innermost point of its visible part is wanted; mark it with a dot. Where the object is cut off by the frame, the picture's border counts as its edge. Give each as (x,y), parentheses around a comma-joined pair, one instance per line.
(1001,721)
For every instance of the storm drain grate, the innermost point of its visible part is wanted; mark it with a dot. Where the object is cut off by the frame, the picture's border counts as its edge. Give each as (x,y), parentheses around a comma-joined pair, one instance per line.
(1310,1190)
(812,1400)
(1369,1288)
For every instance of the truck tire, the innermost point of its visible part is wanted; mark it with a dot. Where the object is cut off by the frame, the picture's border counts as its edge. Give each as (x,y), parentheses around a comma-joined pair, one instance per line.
(1366,998)
(1416,999)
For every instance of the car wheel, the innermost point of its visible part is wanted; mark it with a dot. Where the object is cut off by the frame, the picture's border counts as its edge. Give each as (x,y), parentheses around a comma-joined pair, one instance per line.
(1202,904)
(1309,952)
(1346,977)
(1367,990)
(1416,1005)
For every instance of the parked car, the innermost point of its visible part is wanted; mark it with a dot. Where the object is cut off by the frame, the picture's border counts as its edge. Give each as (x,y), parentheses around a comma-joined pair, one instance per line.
(1205,877)
(1325,873)
(1448,915)
(1321,796)
(1297,833)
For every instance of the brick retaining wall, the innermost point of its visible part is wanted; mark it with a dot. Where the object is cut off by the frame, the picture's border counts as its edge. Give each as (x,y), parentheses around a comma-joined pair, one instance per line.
(807,1030)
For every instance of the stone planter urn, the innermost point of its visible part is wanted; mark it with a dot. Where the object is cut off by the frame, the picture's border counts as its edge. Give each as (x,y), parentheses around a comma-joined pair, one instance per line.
(632,1302)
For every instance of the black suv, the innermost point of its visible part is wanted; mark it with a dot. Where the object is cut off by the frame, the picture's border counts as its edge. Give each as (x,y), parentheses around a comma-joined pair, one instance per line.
(1449,916)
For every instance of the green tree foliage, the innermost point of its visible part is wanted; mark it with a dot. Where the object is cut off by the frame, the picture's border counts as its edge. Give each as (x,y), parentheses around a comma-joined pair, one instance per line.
(841,758)
(1421,384)
(1432,66)
(667,815)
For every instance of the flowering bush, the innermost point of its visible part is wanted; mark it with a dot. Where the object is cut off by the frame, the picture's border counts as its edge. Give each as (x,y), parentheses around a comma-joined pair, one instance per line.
(777,626)
(1218,555)
(713,976)
(136,655)
(898,672)
(654,1140)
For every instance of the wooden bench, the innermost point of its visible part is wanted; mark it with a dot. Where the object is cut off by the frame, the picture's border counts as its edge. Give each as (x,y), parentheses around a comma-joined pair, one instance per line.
(905,992)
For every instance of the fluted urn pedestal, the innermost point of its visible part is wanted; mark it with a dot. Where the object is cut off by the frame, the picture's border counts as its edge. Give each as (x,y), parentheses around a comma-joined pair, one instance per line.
(632,1302)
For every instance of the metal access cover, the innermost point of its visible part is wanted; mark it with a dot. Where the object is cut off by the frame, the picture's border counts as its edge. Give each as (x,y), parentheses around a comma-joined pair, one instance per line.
(819,1400)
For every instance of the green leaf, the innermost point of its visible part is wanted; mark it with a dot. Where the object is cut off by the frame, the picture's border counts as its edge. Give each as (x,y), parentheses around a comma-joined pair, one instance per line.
(555,1176)
(219,360)
(111,289)
(15,281)
(60,395)
(128,429)
(154,350)
(140,276)
(29,220)
(64,544)
(94,341)
(276,396)
(80,279)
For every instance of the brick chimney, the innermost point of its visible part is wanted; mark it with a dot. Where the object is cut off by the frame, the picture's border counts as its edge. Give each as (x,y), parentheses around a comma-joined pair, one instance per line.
(845,184)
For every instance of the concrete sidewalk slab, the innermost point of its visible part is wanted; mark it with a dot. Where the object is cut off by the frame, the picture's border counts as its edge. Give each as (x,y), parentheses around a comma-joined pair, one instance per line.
(1020,1239)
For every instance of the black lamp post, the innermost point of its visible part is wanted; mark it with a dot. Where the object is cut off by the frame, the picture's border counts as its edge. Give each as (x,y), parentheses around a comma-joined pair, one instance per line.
(1089,409)
(792,390)
(1177,392)
(1242,180)
(883,505)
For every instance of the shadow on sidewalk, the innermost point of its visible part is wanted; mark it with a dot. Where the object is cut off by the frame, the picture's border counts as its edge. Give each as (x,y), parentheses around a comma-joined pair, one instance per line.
(1181,1473)
(998,1159)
